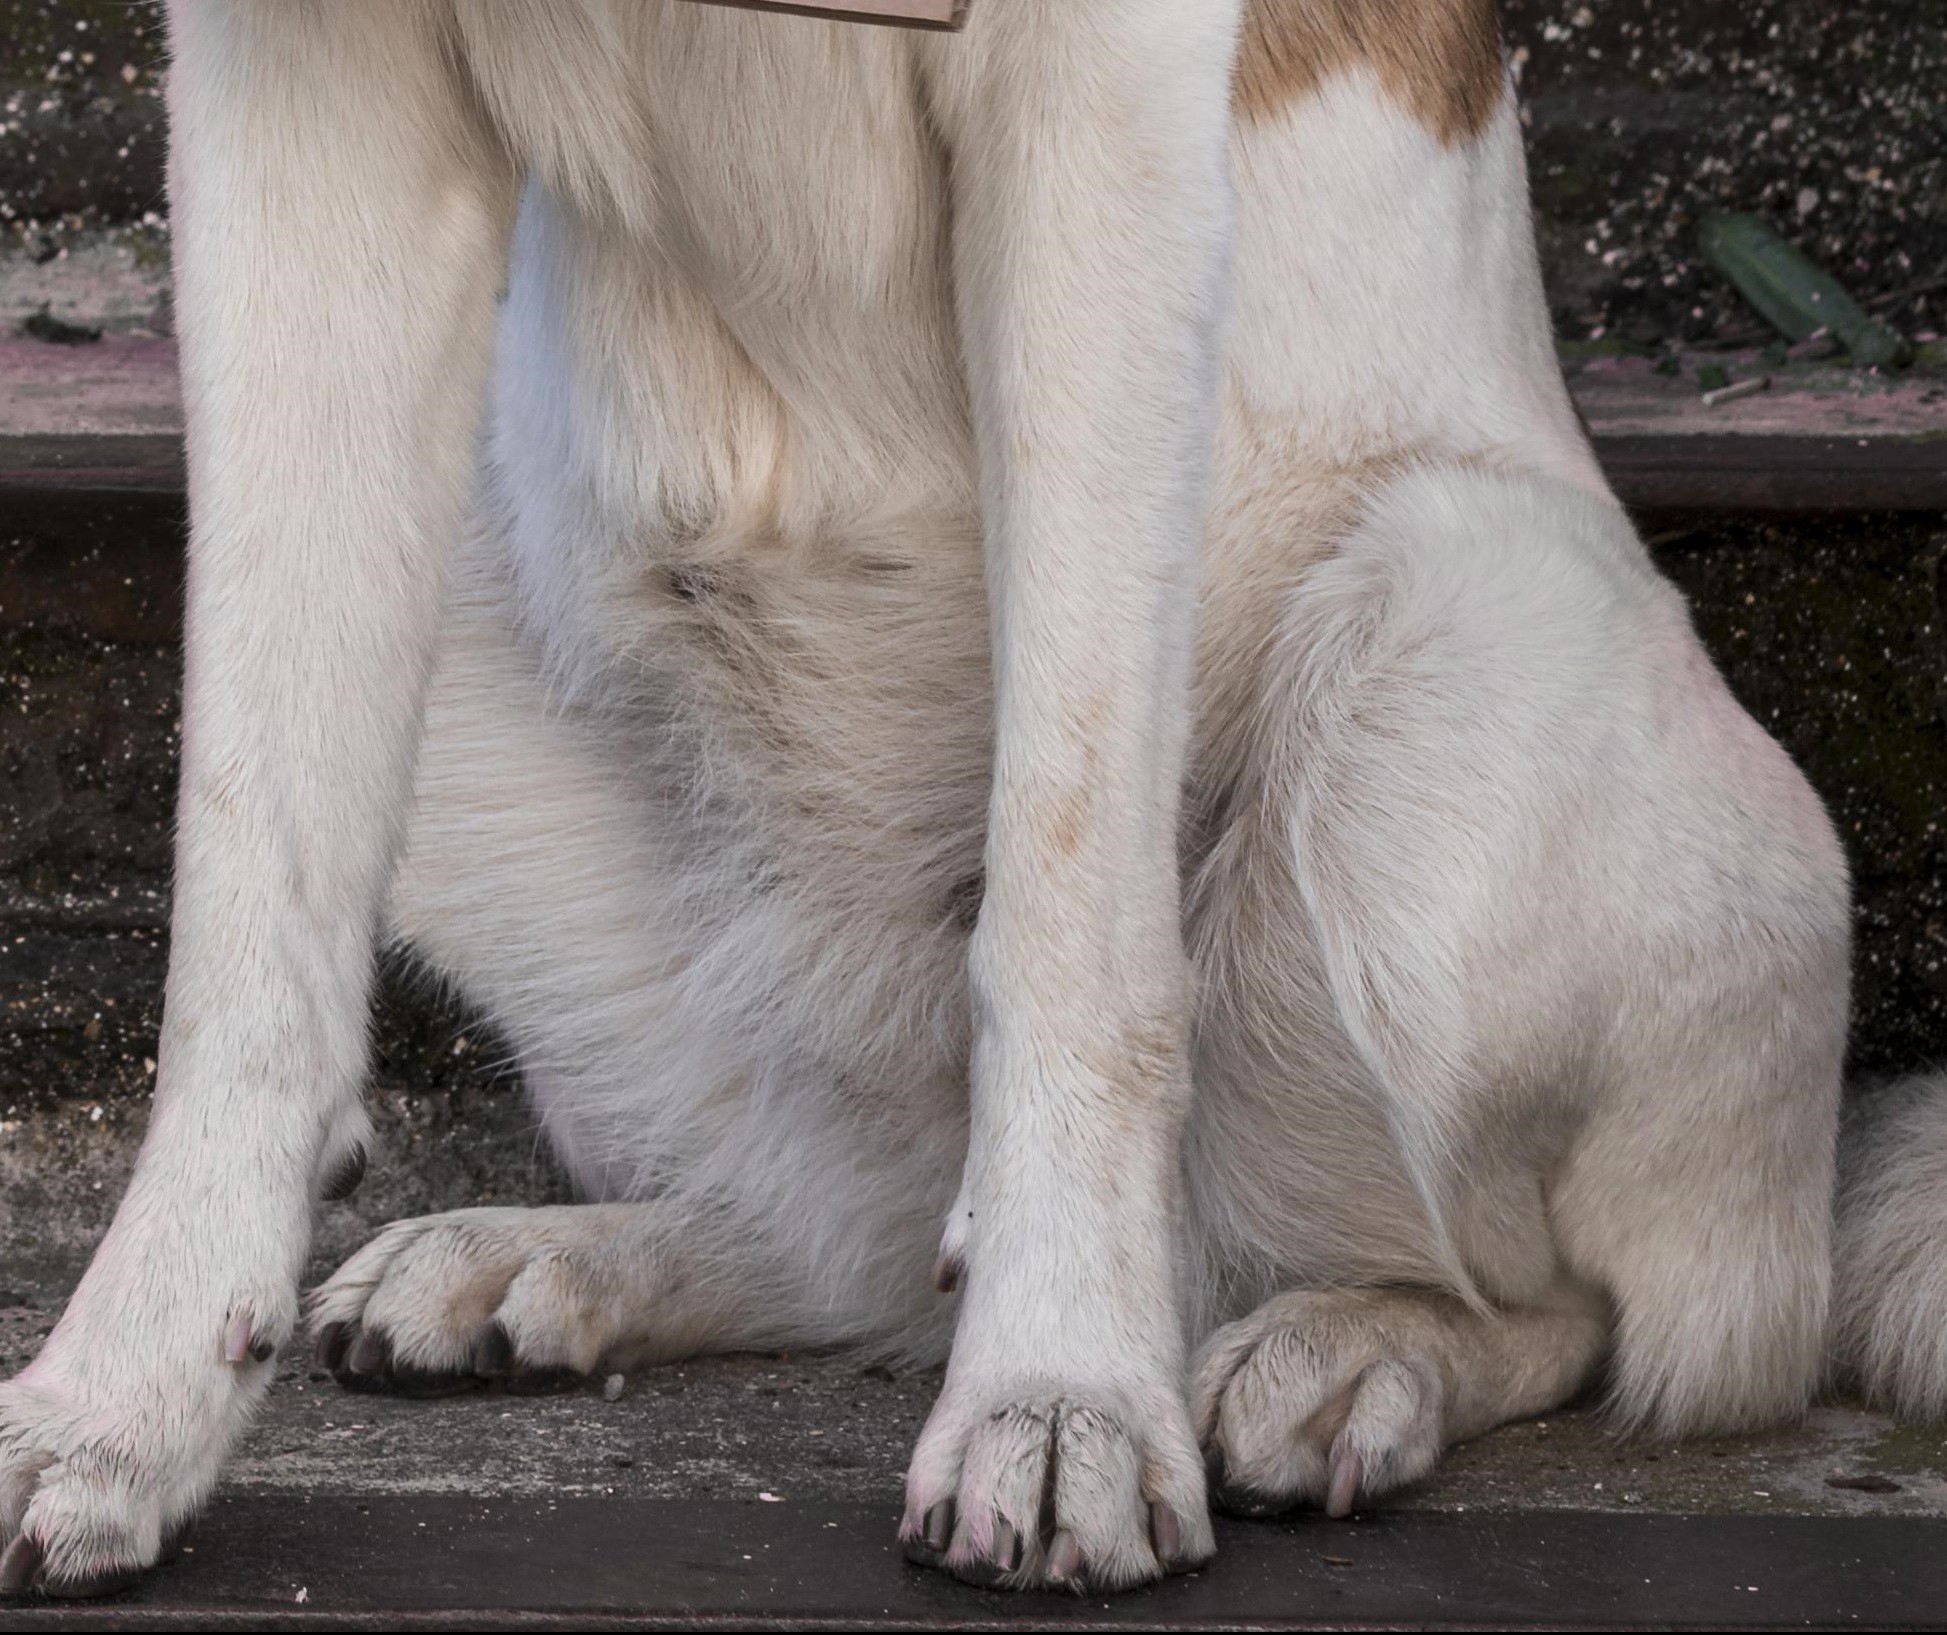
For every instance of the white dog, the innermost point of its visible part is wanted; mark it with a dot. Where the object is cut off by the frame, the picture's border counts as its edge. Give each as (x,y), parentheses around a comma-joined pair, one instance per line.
(1011,629)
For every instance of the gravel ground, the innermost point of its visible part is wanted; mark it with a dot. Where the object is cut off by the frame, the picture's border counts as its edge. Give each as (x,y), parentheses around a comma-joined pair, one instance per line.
(1826,117)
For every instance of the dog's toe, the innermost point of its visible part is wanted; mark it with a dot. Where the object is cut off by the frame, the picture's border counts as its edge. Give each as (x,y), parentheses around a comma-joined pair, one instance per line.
(1052,1493)
(20,1566)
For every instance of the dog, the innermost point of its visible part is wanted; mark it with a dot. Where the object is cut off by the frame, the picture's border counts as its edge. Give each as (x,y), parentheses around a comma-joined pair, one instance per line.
(1001,658)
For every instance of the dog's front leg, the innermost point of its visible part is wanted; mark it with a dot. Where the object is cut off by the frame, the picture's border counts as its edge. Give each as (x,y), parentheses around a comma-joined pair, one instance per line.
(339,217)
(1091,228)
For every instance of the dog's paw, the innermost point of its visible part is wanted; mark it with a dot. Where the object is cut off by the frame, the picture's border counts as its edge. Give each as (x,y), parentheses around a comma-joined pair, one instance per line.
(444,1303)
(109,1445)
(1333,1399)
(1081,1491)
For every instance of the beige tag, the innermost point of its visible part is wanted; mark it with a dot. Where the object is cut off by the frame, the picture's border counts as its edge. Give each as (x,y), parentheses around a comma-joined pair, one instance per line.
(907,13)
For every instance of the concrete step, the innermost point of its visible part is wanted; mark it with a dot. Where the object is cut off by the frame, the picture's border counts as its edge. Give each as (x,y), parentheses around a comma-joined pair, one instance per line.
(448,1561)
(106,416)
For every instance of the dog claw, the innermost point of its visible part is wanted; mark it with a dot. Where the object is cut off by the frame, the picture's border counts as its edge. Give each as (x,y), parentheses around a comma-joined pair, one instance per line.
(1347,1475)
(332,1341)
(20,1566)
(1065,1558)
(241,1343)
(946,1273)
(236,1339)
(370,1355)
(1165,1533)
(1007,1547)
(925,1544)
(493,1352)
(343,1181)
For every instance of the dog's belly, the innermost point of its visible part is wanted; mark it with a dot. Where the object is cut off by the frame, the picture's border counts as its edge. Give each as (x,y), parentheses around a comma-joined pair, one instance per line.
(729,342)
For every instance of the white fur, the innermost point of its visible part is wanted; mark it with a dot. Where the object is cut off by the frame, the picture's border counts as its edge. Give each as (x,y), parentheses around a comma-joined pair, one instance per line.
(817,773)
(1890,1310)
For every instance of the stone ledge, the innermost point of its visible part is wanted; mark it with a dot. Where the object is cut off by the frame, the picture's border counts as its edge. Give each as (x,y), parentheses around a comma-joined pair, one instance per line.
(455,1561)
(107,417)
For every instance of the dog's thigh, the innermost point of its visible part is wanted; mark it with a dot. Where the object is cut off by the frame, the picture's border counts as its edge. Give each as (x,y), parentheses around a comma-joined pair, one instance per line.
(540,880)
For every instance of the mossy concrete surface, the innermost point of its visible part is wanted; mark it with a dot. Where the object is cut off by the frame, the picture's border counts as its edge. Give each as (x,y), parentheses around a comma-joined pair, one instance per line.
(81,120)
(1833,633)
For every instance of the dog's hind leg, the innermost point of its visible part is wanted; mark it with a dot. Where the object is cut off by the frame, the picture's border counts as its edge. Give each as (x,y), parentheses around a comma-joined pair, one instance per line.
(575,1288)
(1508,886)
(339,227)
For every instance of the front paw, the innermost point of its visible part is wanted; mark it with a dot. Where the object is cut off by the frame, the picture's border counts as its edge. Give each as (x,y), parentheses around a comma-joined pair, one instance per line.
(105,1460)
(1040,1487)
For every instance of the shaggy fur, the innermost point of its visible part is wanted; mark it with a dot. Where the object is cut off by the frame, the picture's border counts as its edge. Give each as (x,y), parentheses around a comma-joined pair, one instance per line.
(756,661)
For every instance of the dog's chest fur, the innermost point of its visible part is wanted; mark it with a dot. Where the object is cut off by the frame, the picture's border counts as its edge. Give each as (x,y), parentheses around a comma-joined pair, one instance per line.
(728,374)
(732,472)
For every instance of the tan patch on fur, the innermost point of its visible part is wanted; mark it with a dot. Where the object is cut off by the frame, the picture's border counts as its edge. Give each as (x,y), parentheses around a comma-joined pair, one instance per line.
(1439,58)
(1066,821)
(1147,1065)
(1065,816)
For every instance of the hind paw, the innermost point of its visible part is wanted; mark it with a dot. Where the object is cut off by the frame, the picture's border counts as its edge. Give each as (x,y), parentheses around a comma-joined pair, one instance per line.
(1332,1399)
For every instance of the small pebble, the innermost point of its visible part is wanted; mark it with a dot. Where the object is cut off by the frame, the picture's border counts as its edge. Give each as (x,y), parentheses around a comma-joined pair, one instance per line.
(612,1388)
(1743,388)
